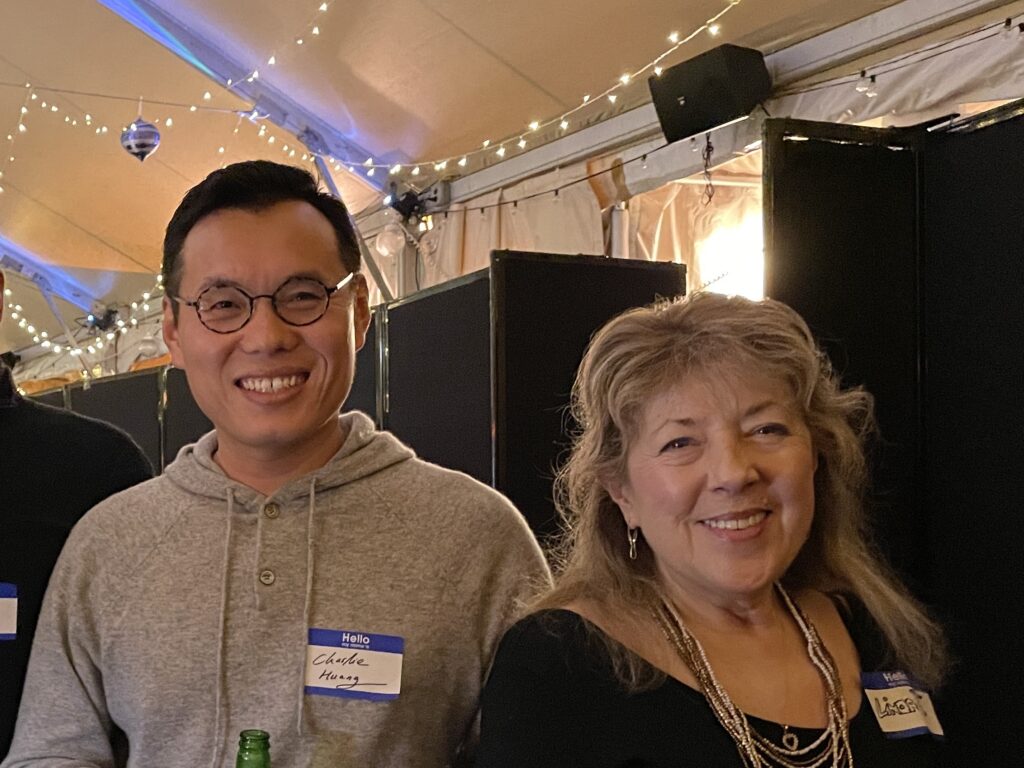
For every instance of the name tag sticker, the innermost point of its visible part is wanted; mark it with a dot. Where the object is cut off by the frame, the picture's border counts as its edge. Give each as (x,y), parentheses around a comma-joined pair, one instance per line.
(901,707)
(354,665)
(8,611)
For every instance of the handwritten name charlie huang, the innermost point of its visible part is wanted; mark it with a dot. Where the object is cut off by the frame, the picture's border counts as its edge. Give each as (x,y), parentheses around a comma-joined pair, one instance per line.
(356,665)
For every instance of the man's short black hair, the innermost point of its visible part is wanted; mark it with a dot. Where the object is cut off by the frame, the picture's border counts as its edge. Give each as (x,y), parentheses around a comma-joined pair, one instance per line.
(253,185)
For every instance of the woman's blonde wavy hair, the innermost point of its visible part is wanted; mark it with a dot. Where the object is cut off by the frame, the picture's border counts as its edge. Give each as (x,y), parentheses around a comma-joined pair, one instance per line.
(646,350)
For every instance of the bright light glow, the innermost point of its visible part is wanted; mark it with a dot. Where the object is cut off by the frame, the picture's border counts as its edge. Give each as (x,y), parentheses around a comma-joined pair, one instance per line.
(487,143)
(564,125)
(207,96)
(522,143)
(612,98)
(462,162)
(500,152)
(731,258)
(714,29)
(624,79)
(586,98)
(534,125)
(416,171)
(673,38)
(387,200)
(371,172)
(658,71)
(315,30)
(272,60)
(323,7)
(395,169)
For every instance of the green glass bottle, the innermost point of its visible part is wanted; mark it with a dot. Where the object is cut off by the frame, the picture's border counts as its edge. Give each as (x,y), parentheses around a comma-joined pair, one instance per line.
(253,749)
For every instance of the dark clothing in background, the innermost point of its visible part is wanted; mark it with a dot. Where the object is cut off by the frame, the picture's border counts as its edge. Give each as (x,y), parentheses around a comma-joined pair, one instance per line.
(54,466)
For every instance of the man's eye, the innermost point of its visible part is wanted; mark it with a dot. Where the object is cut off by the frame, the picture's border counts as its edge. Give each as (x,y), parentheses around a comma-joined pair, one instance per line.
(222,305)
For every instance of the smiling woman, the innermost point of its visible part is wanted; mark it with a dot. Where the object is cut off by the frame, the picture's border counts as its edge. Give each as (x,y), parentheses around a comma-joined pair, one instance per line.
(718,601)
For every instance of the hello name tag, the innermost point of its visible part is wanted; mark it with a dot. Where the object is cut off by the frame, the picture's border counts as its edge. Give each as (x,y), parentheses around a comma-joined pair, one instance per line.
(354,665)
(900,706)
(8,611)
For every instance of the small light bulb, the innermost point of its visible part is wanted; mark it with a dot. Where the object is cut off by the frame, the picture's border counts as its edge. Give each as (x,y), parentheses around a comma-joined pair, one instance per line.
(416,171)
(673,38)
(522,143)
(624,79)
(658,71)
(564,125)
(145,307)
(368,162)
(45,335)
(271,140)
(298,41)
(500,152)
(371,172)
(387,199)
(207,96)
(395,169)
(110,336)
(487,143)
(53,107)
(462,162)
(135,305)
(315,30)
(714,29)
(192,108)
(534,125)
(220,150)
(169,122)
(22,128)
(612,98)
(57,349)
(586,98)
(45,344)
(272,60)
(323,7)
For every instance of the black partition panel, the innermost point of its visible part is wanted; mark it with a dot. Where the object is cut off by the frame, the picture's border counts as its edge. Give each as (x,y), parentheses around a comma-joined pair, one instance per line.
(183,422)
(902,249)
(363,394)
(546,307)
(973,225)
(438,393)
(841,249)
(54,397)
(130,402)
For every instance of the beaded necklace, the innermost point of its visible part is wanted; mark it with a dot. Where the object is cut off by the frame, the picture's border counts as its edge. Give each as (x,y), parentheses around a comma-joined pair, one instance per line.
(831,748)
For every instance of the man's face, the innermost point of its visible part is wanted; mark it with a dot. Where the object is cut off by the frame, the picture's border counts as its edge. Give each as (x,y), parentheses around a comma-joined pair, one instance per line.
(271,389)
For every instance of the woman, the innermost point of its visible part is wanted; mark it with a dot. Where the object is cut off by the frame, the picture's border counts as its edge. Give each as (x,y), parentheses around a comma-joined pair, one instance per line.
(717,601)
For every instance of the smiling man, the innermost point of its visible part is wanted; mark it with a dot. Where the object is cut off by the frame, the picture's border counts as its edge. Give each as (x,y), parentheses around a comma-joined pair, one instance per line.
(210,600)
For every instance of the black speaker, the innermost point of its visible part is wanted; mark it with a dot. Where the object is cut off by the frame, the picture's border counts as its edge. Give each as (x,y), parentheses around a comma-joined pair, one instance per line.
(709,90)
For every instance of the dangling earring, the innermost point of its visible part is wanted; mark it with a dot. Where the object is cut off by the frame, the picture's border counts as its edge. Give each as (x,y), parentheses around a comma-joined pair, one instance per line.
(631,535)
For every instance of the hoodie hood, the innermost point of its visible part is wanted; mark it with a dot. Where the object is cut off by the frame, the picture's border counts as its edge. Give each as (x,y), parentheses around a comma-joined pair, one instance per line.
(364,453)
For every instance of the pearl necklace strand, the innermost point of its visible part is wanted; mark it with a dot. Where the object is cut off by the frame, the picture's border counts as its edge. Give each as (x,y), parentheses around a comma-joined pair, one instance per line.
(831,748)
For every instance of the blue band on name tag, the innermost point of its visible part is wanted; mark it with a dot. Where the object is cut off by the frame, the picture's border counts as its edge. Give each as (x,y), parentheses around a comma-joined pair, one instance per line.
(8,590)
(900,704)
(358,640)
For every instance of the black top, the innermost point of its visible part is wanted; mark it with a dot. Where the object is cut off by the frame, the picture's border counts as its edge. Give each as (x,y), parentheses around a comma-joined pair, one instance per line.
(552,700)
(54,466)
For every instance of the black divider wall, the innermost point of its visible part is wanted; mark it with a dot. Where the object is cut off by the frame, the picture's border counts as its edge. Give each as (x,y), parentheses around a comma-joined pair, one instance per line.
(545,309)
(363,394)
(841,249)
(438,390)
(973,203)
(130,402)
(183,422)
(54,397)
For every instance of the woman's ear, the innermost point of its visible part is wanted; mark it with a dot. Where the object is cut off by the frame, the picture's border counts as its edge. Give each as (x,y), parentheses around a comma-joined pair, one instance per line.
(621,494)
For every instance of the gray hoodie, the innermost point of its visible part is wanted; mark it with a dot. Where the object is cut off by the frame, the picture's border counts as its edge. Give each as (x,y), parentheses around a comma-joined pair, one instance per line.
(178,614)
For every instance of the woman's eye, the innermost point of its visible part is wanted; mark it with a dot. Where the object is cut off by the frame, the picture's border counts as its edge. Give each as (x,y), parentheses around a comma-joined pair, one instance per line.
(679,442)
(772,429)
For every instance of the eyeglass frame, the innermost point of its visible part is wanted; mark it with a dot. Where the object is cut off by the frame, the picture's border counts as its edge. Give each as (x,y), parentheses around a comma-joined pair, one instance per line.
(330,290)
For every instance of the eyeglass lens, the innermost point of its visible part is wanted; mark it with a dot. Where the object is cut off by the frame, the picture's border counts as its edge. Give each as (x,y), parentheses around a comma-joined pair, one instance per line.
(226,308)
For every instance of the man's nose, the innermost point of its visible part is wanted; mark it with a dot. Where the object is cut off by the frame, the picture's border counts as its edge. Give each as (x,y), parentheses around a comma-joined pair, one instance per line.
(265,329)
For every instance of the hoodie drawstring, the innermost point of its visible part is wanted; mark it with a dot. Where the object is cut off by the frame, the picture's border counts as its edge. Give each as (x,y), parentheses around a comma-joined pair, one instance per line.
(222,620)
(310,566)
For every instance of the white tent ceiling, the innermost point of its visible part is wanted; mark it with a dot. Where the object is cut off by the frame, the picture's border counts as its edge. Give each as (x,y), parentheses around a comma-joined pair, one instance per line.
(409,81)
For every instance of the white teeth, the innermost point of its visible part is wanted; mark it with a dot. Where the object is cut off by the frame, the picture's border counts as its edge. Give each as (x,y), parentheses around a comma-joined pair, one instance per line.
(275,384)
(736,525)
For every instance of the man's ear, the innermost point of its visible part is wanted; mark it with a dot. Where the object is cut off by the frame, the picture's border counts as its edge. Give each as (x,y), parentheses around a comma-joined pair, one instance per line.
(170,332)
(360,309)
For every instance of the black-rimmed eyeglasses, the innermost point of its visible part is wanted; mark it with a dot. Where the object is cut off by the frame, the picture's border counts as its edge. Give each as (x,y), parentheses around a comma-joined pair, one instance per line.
(297,301)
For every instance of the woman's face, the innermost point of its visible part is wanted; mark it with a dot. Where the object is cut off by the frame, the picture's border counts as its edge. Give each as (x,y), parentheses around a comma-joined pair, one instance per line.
(720,480)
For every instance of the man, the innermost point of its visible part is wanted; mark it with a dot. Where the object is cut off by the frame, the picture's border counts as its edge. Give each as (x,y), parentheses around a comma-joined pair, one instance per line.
(54,466)
(293,571)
